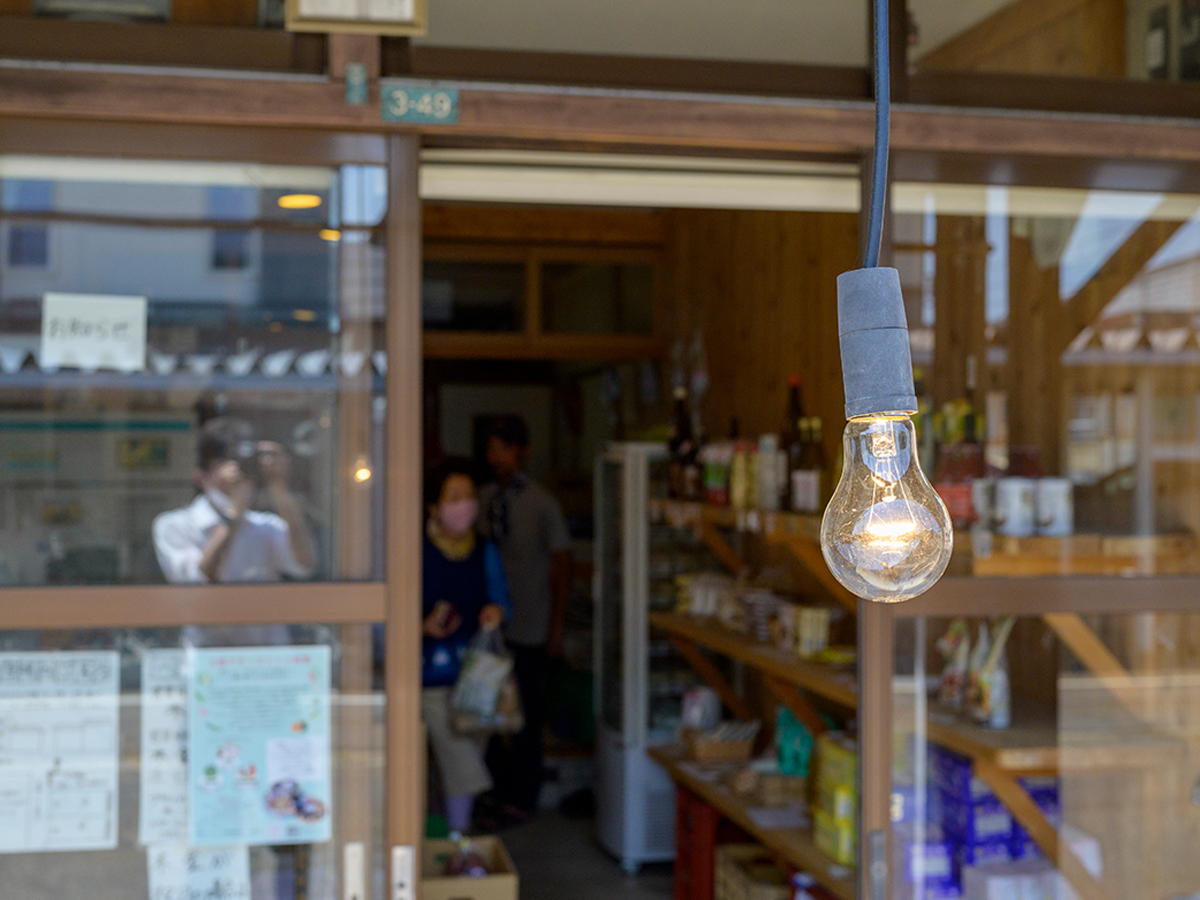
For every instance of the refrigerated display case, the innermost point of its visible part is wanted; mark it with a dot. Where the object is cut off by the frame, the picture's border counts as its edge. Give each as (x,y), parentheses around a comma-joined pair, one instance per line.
(639,682)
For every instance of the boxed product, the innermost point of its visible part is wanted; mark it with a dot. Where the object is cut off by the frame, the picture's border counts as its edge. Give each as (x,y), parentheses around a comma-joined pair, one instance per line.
(929,892)
(838,800)
(836,837)
(928,862)
(1047,801)
(748,872)
(837,755)
(981,854)
(1083,845)
(976,821)
(952,774)
(1026,880)
(436,884)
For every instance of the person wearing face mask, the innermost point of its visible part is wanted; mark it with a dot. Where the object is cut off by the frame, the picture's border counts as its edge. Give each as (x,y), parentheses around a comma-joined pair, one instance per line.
(463,590)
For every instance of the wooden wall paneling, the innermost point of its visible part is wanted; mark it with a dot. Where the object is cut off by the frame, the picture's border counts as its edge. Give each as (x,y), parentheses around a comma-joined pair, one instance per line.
(959,323)
(215,12)
(526,225)
(762,287)
(1052,37)
(1035,380)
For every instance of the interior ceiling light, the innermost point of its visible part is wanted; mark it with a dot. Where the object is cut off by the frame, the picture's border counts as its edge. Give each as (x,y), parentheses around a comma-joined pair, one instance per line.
(886,535)
(299,201)
(329,234)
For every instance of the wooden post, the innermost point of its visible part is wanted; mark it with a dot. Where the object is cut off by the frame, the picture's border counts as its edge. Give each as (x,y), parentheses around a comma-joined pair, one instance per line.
(355,544)
(875,654)
(403,474)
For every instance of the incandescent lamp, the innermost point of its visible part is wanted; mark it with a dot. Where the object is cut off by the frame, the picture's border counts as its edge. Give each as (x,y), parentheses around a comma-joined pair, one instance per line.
(886,535)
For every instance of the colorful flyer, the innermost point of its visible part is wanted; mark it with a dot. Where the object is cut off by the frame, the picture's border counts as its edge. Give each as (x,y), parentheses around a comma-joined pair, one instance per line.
(259,746)
(58,751)
(177,872)
(164,782)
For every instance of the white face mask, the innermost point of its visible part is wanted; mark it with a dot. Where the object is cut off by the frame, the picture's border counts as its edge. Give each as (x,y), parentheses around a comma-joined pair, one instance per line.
(221,502)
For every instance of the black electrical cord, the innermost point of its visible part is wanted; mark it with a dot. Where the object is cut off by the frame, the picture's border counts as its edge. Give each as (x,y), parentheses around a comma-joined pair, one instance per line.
(883,113)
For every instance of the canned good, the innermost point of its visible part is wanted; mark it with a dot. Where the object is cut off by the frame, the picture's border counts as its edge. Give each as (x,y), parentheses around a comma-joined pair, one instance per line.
(983,498)
(1055,507)
(1016,504)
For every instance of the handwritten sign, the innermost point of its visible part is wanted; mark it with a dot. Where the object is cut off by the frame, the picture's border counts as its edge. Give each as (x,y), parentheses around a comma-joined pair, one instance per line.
(163,795)
(177,872)
(424,105)
(58,751)
(93,331)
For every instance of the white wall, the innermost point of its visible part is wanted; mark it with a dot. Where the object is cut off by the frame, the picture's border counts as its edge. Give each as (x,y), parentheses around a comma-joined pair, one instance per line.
(461,403)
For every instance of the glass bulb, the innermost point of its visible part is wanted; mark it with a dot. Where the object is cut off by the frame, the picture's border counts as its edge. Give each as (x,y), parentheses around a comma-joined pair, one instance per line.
(886,535)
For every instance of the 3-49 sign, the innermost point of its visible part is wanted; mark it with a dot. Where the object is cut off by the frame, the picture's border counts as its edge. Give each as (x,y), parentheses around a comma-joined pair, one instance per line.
(426,105)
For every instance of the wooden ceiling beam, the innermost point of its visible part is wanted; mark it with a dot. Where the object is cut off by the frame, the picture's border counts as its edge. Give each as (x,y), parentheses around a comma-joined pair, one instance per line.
(628,120)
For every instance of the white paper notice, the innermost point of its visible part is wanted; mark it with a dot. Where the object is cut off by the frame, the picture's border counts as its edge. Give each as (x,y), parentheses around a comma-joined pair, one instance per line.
(176,872)
(163,809)
(93,331)
(58,751)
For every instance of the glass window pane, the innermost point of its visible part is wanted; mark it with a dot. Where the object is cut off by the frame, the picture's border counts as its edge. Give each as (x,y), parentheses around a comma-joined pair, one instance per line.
(1106,758)
(253,407)
(108,767)
(597,298)
(1054,335)
(473,296)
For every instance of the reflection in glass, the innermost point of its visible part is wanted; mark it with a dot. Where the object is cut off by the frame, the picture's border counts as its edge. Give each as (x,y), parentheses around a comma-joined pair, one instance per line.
(253,314)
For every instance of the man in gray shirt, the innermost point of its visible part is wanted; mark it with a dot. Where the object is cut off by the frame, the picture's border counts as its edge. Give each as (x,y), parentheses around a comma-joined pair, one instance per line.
(527,524)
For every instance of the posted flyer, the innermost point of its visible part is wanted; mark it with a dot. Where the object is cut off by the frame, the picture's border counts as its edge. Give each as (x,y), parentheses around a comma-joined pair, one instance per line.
(259,746)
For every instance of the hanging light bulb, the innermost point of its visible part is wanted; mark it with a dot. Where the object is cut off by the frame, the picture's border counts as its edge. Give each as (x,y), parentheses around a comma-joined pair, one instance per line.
(886,535)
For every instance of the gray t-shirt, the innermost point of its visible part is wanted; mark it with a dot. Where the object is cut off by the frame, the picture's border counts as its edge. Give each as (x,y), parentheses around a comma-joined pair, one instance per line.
(527,524)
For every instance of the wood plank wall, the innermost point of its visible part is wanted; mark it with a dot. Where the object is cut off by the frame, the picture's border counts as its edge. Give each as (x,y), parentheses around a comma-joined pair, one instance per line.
(762,286)
(1043,37)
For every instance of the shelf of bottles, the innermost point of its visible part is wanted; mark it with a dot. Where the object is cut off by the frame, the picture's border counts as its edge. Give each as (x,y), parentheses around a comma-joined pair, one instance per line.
(1010,518)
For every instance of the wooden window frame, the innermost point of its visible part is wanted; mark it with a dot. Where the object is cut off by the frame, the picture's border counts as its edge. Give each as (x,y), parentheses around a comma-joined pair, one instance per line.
(355,605)
(531,341)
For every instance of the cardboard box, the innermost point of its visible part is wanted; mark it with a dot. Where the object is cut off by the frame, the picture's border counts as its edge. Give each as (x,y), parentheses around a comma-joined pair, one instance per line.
(748,872)
(502,884)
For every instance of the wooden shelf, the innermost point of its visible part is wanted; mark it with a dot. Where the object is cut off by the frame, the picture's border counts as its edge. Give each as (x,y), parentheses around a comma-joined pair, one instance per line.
(794,846)
(1008,557)
(836,683)
(1030,745)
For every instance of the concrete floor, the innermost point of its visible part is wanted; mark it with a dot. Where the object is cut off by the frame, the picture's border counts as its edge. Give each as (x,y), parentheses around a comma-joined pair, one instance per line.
(558,859)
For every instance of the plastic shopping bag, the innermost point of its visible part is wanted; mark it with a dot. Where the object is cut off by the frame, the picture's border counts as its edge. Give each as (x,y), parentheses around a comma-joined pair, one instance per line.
(485,698)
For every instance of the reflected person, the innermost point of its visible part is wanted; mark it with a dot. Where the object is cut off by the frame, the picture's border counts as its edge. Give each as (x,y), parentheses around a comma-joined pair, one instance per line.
(218,537)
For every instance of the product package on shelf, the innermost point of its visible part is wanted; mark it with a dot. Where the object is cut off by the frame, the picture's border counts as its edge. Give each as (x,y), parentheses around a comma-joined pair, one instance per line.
(1044,792)
(748,872)
(1035,878)
(928,862)
(836,838)
(793,744)
(728,742)
(835,819)
(812,630)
